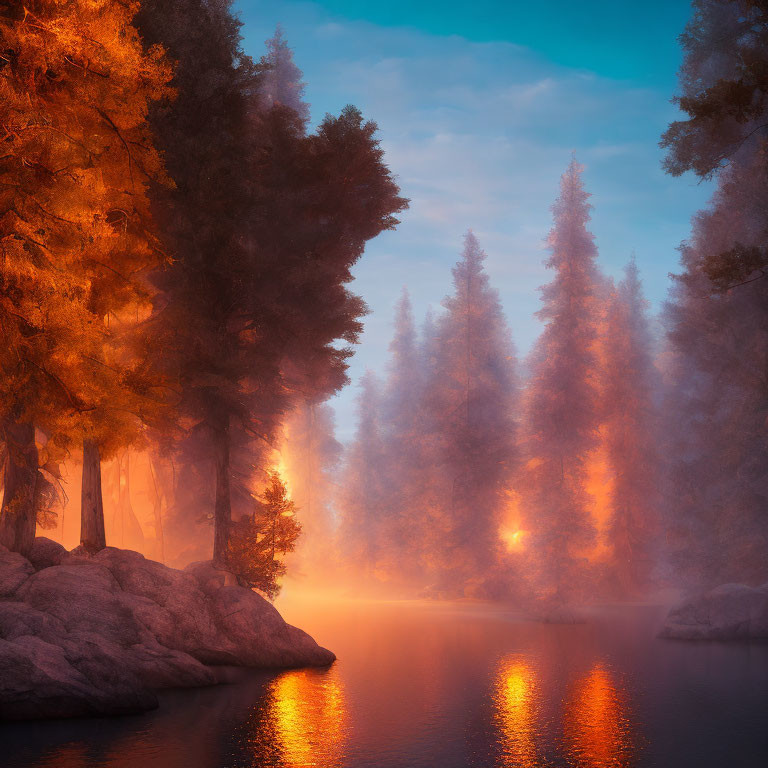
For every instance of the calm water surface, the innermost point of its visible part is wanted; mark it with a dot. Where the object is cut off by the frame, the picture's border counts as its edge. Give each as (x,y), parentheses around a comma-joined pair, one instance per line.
(445,685)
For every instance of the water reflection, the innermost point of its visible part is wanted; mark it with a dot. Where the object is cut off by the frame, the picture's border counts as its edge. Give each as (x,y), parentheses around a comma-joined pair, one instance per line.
(301,721)
(518,711)
(596,724)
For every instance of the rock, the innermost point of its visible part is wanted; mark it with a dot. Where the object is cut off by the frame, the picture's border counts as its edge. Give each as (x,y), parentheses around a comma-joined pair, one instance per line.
(209,577)
(45,553)
(98,634)
(728,612)
(173,608)
(14,571)
(37,681)
(261,636)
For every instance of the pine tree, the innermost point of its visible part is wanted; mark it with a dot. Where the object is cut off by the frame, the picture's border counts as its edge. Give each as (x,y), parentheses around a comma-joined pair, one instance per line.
(265,225)
(363,496)
(281,82)
(75,87)
(403,429)
(631,434)
(724,91)
(260,541)
(561,410)
(717,398)
(311,453)
(470,399)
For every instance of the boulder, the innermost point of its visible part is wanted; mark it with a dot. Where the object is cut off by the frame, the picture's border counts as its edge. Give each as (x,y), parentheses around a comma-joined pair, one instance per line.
(38,681)
(210,577)
(728,612)
(45,553)
(170,604)
(261,636)
(84,634)
(14,571)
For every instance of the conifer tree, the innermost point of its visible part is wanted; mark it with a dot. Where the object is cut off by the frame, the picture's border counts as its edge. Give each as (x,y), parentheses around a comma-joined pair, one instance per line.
(561,410)
(311,453)
(265,225)
(717,395)
(260,541)
(363,497)
(470,398)
(75,86)
(403,436)
(631,435)
(281,81)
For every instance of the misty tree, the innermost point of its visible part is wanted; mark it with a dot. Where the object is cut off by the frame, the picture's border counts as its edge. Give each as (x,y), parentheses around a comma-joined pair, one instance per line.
(724,91)
(363,498)
(561,408)
(265,223)
(281,81)
(717,400)
(470,398)
(405,467)
(631,433)
(311,455)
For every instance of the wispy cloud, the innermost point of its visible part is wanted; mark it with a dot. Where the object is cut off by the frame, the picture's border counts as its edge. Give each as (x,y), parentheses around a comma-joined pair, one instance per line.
(478,135)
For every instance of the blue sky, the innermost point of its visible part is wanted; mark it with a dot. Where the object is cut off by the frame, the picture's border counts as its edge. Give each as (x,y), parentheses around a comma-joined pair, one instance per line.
(479,107)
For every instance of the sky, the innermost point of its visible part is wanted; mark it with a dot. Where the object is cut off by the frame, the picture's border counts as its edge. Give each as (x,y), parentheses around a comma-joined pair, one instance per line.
(480,106)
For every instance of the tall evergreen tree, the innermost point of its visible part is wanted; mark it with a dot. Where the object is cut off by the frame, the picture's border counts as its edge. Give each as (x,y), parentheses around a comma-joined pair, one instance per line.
(311,454)
(281,82)
(403,428)
(561,413)
(363,498)
(631,434)
(265,224)
(717,401)
(470,400)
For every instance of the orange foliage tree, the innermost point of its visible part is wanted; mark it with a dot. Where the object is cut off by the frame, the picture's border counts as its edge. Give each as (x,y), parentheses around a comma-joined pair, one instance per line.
(77,158)
(258,542)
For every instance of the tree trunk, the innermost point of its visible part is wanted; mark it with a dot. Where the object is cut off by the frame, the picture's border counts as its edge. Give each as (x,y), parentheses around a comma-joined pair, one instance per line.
(222,514)
(17,518)
(158,510)
(92,535)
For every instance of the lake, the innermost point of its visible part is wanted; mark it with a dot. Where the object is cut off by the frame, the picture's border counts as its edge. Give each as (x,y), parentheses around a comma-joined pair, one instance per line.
(446,685)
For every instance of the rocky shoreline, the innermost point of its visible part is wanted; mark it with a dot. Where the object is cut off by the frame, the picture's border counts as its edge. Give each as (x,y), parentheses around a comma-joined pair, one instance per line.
(84,635)
(727,612)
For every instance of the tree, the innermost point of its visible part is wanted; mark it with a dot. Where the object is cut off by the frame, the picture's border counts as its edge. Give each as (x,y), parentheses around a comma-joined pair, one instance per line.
(311,453)
(724,81)
(471,400)
(716,405)
(363,497)
(631,436)
(265,224)
(281,80)
(75,86)
(561,411)
(259,541)
(717,400)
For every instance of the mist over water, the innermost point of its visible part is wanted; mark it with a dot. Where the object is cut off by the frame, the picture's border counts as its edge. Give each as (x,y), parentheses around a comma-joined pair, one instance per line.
(421,684)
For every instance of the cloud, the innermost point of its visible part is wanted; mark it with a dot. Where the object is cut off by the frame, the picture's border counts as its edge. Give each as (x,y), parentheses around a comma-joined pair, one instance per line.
(478,135)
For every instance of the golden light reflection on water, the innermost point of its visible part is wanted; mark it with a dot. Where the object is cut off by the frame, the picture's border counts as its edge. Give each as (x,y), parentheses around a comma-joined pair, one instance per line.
(517,712)
(304,723)
(596,725)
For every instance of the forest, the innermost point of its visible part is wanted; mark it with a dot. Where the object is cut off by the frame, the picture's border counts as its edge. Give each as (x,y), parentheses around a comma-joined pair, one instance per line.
(176,312)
